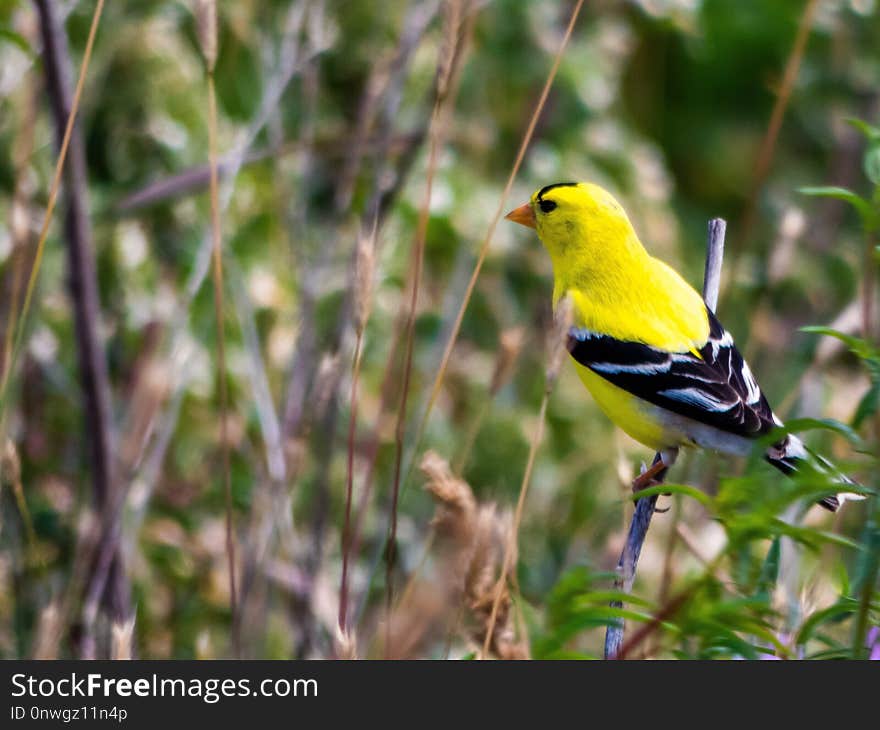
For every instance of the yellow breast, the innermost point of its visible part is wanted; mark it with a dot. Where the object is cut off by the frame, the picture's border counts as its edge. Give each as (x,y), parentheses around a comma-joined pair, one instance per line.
(639,419)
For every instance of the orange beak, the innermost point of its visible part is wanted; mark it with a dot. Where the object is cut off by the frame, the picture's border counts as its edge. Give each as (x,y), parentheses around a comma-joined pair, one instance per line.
(524,215)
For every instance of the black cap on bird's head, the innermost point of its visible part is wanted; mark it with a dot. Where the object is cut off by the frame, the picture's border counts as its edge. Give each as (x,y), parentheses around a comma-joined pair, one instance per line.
(525,214)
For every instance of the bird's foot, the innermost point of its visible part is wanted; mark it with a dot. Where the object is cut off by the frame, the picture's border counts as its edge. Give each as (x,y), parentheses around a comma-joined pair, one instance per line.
(649,476)
(654,475)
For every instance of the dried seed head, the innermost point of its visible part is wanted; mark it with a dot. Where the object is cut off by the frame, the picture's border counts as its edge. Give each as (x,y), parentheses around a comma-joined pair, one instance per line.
(365,267)
(509,346)
(493,535)
(454,494)
(558,345)
(205,12)
(449,47)
(472,545)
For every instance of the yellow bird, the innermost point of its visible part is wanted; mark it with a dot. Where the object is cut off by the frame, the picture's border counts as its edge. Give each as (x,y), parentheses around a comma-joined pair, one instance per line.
(653,355)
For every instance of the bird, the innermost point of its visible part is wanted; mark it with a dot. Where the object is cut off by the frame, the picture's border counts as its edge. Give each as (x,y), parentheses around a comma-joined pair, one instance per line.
(654,356)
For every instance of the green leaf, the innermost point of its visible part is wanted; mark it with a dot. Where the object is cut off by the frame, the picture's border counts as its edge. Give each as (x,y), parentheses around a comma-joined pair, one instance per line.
(863,207)
(867,405)
(684,489)
(859,347)
(798,425)
(769,571)
(811,537)
(6,34)
(600,597)
(842,609)
(870,131)
(871,163)
(609,614)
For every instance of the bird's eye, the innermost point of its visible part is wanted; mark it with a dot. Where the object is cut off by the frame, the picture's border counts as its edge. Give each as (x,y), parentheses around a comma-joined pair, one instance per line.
(546,206)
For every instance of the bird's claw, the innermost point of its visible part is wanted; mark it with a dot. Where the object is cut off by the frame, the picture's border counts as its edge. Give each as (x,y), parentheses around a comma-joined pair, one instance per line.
(648,477)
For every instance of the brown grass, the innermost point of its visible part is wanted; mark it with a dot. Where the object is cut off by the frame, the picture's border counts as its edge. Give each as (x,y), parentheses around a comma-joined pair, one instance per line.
(206,22)
(476,536)
(466,553)
(365,269)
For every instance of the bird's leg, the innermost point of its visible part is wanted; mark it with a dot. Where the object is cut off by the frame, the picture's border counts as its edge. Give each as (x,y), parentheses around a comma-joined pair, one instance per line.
(654,475)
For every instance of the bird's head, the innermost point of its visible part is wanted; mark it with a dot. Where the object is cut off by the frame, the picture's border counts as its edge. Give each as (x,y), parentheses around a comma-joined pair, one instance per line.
(578,220)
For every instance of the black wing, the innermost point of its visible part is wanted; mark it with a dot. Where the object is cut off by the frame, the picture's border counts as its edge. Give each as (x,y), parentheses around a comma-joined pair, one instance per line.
(717,388)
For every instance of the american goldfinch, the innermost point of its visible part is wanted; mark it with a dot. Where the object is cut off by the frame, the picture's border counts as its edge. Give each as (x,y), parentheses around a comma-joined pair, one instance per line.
(654,356)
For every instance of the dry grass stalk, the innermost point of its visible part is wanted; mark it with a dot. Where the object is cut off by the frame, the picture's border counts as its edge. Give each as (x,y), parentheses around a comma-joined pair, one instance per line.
(473,536)
(419,621)
(48,636)
(558,348)
(437,131)
(107,586)
(50,209)
(768,144)
(509,346)
(325,382)
(205,12)
(19,225)
(122,636)
(365,270)
(365,264)
(558,345)
(484,247)
(10,470)
(206,20)
(345,644)
(452,17)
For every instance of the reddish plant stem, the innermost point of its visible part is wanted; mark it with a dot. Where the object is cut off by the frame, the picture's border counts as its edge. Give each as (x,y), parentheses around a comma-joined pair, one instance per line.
(349,487)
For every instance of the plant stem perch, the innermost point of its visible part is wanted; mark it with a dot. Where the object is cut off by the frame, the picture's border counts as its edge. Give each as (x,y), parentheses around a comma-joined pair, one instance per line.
(644,510)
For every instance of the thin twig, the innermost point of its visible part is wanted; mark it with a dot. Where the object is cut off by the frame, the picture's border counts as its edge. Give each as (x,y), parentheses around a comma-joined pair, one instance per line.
(644,510)
(389,379)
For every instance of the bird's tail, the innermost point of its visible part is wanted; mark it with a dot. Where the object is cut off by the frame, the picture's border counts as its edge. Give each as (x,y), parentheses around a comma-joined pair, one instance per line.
(791,455)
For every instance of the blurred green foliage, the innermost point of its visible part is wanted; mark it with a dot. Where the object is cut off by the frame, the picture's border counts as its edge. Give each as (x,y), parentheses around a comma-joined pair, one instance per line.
(665,102)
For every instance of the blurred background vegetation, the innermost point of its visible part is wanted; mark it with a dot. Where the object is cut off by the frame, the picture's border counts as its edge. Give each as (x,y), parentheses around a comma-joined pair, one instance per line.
(686,109)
